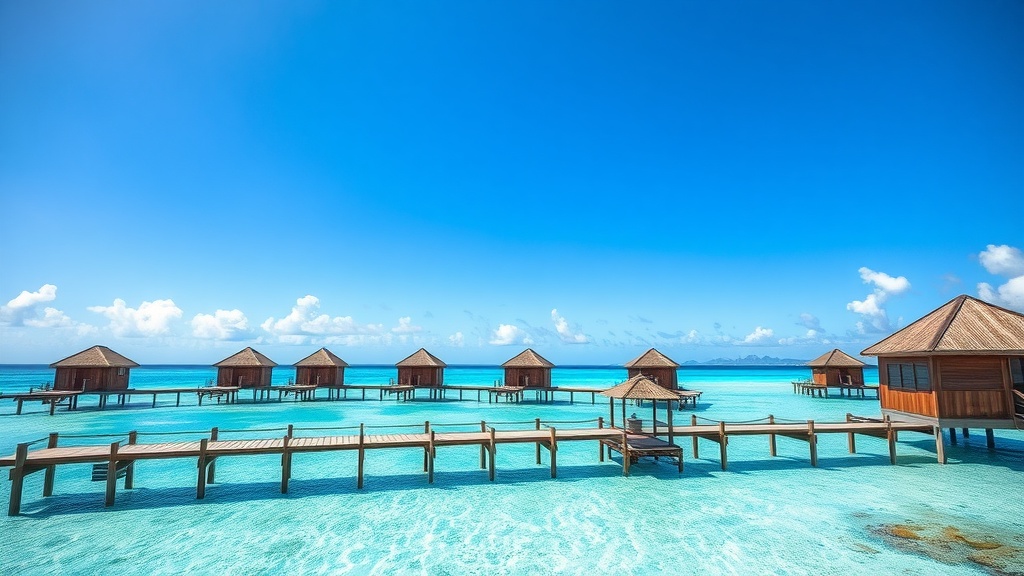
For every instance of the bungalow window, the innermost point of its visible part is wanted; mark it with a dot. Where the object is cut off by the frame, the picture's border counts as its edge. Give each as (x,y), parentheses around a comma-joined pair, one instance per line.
(120,371)
(909,376)
(1017,373)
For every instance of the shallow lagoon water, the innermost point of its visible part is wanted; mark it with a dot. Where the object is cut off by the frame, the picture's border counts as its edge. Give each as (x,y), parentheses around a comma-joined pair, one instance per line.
(763,515)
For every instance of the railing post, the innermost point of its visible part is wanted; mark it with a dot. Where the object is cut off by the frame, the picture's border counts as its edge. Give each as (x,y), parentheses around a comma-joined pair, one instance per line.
(51,471)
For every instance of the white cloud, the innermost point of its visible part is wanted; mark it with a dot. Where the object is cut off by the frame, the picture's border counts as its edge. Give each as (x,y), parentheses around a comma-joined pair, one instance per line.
(457,339)
(405,326)
(872,306)
(759,336)
(221,325)
(809,321)
(566,333)
(507,334)
(692,337)
(810,337)
(52,318)
(24,306)
(884,282)
(1004,261)
(149,319)
(304,320)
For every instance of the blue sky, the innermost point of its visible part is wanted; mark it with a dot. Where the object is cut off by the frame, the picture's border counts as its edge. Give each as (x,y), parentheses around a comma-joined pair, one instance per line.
(715,179)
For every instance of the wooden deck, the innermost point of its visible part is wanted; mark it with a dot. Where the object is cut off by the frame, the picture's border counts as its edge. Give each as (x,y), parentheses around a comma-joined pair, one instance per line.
(117,458)
(822,390)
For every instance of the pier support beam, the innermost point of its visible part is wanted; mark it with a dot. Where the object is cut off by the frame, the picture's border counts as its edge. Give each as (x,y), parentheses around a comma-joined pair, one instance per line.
(851,438)
(890,436)
(286,465)
(940,448)
(771,437)
(723,443)
(430,464)
(361,458)
(51,471)
(129,473)
(812,441)
(536,426)
(990,438)
(17,475)
(201,464)
(211,468)
(952,436)
(693,422)
(553,449)
(493,446)
(111,475)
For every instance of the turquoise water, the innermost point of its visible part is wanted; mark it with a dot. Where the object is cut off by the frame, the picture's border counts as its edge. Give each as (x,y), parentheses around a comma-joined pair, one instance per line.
(762,516)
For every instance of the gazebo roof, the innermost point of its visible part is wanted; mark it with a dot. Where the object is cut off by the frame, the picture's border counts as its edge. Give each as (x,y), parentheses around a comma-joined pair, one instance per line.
(421,358)
(640,387)
(964,325)
(835,359)
(651,359)
(246,357)
(528,359)
(95,357)
(322,357)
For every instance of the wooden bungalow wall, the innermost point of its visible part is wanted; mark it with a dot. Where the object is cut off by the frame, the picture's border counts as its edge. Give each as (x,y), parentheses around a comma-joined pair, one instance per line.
(320,375)
(909,401)
(251,376)
(973,387)
(101,378)
(420,376)
(538,377)
(664,376)
(831,376)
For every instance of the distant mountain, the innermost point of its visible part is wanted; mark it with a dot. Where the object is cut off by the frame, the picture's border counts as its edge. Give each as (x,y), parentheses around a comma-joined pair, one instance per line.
(751,360)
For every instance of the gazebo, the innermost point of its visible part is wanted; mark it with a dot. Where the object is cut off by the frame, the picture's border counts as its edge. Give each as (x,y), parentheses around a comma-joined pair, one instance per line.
(528,370)
(657,367)
(959,366)
(321,368)
(837,368)
(641,387)
(246,369)
(421,369)
(96,368)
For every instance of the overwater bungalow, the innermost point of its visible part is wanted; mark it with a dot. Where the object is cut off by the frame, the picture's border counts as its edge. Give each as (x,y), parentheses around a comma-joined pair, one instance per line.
(959,366)
(656,366)
(95,369)
(837,368)
(528,370)
(246,369)
(321,368)
(421,369)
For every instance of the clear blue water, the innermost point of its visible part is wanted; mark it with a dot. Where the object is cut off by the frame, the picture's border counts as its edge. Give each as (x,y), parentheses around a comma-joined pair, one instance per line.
(762,516)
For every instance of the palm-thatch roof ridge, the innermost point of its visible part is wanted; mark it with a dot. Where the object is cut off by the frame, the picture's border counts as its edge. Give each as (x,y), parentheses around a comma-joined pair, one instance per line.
(964,325)
(640,387)
(528,359)
(421,358)
(322,357)
(246,357)
(651,359)
(835,359)
(95,357)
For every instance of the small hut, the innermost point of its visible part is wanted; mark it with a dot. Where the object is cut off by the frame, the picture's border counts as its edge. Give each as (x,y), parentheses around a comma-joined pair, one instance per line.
(959,366)
(641,387)
(528,370)
(421,369)
(321,368)
(246,369)
(655,366)
(837,368)
(96,368)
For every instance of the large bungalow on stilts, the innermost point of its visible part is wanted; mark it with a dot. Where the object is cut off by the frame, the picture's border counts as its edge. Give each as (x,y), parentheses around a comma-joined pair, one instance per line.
(656,366)
(95,369)
(321,368)
(960,366)
(245,369)
(528,370)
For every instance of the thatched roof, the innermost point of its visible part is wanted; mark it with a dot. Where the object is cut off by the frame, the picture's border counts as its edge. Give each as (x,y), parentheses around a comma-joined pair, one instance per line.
(964,325)
(528,359)
(322,357)
(95,357)
(640,387)
(835,359)
(246,357)
(421,358)
(651,359)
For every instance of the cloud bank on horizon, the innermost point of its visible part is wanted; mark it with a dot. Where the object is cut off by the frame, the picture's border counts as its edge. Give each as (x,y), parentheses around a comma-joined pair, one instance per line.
(307,324)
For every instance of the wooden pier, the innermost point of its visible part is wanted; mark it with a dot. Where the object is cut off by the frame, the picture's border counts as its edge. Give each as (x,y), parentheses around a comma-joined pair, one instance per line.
(821,390)
(119,457)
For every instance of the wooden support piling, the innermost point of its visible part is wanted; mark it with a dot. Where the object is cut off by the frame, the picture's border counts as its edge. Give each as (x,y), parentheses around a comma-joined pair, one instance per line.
(51,471)
(361,457)
(990,438)
(111,475)
(693,422)
(952,436)
(432,454)
(940,448)
(723,442)
(812,441)
(771,437)
(17,476)
(890,436)
(600,447)
(129,474)
(212,466)
(426,450)
(201,483)
(493,447)
(536,426)
(286,464)
(626,458)
(483,448)
(553,449)
(851,438)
